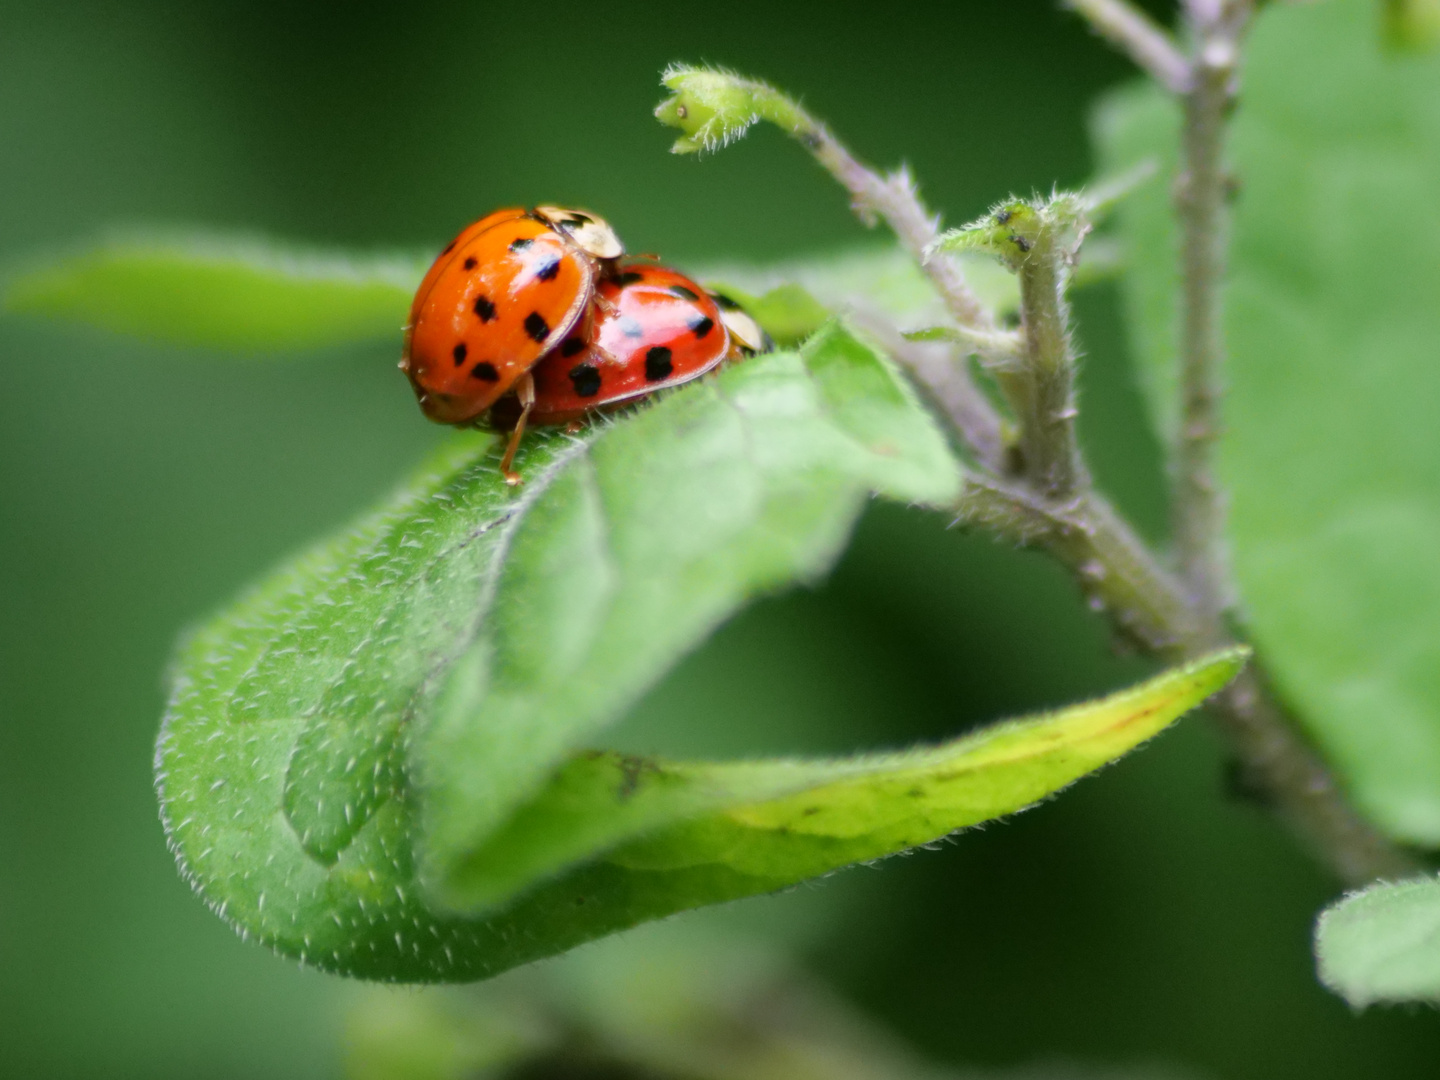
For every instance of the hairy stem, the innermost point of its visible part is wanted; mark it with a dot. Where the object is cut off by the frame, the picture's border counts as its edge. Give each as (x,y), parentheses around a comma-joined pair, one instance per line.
(1048,501)
(1136,35)
(894,200)
(946,382)
(1198,504)
(1152,608)
(1044,393)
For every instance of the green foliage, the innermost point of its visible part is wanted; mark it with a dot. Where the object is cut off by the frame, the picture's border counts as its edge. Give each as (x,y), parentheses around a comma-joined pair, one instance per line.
(1012,231)
(1412,25)
(221,293)
(371,763)
(1330,455)
(1383,944)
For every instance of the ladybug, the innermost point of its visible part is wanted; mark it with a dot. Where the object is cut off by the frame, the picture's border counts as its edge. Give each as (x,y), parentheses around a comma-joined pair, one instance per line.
(505,292)
(653,328)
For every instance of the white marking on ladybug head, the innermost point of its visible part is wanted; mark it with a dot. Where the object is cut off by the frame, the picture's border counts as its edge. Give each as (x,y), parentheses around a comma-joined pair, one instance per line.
(591,234)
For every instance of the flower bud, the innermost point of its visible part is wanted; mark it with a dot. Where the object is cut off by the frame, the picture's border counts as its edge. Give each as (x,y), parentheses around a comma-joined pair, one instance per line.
(712,107)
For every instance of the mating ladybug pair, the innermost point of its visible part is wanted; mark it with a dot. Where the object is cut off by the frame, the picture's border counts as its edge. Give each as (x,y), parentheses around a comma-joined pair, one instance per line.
(531,316)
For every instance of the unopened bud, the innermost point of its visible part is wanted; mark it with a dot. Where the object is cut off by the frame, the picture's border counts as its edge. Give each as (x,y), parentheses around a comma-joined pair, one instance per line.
(711,107)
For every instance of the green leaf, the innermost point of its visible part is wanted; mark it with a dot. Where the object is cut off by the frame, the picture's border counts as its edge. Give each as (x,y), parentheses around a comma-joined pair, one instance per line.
(1383,944)
(643,547)
(1330,457)
(733,486)
(221,293)
(701,832)
(415,694)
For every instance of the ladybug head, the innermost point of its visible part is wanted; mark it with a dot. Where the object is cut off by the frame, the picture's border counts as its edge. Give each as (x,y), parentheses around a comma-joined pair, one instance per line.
(592,235)
(743,327)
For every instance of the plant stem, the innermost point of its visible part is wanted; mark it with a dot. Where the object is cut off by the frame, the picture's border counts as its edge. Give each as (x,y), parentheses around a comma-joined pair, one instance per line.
(1198,504)
(1136,35)
(1120,575)
(1051,503)
(1044,390)
(893,199)
(946,381)
(1112,565)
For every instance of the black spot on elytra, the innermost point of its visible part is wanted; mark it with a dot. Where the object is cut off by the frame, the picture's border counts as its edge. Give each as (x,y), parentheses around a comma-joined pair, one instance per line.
(548,269)
(702,326)
(572,345)
(629,277)
(658,364)
(471,262)
(486,371)
(536,326)
(682,292)
(484,308)
(724,301)
(449,247)
(459,353)
(586,379)
(520,243)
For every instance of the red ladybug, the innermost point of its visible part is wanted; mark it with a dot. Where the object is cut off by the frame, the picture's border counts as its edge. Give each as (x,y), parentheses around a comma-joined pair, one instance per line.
(499,297)
(653,328)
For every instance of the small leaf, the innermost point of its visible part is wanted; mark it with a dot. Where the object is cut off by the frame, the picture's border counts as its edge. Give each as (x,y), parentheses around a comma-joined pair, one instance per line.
(1382,944)
(221,293)
(1013,230)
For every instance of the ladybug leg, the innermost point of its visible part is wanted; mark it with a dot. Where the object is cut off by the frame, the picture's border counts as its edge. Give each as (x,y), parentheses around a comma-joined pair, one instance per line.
(525,391)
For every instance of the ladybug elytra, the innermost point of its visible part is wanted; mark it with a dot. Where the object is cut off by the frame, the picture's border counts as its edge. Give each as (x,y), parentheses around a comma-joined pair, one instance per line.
(497,299)
(654,328)
(528,316)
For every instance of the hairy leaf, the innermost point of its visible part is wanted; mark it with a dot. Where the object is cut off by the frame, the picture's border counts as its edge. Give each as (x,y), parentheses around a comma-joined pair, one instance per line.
(737,485)
(373,761)
(223,293)
(1331,456)
(1383,944)
(758,826)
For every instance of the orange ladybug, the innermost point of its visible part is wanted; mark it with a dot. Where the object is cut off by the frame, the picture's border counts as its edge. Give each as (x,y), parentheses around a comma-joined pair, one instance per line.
(505,292)
(653,328)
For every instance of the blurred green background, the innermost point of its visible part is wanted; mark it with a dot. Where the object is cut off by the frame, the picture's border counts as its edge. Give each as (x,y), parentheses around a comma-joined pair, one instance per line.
(1143,917)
